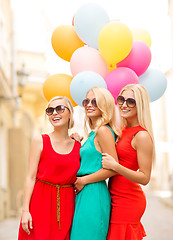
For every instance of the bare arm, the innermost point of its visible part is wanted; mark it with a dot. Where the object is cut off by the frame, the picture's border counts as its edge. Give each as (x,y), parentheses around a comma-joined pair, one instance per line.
(34,157)
(104,142)
(144,147)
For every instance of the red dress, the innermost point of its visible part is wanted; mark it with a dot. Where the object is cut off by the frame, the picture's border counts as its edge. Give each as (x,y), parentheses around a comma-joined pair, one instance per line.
(128,201)
(53,168)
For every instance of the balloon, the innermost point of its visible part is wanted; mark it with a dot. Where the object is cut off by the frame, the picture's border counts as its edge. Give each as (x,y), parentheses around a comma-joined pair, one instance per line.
(58,85)
(72,21)
(115,42)
(83,82)
(88,21)
(142,35)
(155,83)
(119,78)
(65,41)
(87,58)
(138,59)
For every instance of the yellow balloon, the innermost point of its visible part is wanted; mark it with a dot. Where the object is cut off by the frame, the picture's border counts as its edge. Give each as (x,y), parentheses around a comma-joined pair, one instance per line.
(115,42)
(142,35)
(58,85)
(65,41)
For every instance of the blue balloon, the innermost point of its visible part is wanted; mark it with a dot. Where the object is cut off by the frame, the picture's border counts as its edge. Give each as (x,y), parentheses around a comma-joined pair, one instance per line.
(89,20)
(83,82)
(155,83)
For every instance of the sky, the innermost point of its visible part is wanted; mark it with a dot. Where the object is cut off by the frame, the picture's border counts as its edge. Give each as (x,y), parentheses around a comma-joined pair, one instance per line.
(35,21)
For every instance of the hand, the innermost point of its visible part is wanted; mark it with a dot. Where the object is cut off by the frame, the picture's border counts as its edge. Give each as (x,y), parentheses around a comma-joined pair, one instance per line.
(79,184)
(76,136)
(27,221)
(109,162)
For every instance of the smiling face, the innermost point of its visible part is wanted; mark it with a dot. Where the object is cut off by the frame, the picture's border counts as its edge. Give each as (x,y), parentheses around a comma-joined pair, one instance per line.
(59,119)
(91,111)
(130,114)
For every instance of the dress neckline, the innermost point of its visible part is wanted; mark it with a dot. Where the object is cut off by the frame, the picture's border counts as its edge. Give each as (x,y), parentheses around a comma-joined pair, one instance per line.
(91,132)
(132,127)
(58,152)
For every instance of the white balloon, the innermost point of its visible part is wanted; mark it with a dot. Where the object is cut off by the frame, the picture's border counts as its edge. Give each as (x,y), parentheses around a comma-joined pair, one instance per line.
(89,21)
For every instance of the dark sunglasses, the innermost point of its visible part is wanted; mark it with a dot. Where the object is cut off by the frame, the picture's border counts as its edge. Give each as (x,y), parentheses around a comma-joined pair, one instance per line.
(86,101)
(59,109)
(130,102)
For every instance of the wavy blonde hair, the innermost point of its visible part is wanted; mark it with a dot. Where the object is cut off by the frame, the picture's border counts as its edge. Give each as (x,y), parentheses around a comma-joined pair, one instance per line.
(106,104)
(69,105)
(143,108)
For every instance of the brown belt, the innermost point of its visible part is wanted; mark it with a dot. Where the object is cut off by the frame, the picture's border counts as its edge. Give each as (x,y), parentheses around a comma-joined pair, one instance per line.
(58,197)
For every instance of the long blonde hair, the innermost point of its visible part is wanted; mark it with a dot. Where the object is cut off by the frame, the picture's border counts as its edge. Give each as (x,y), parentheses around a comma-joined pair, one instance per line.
(106,104)
(69,105)
(143,108)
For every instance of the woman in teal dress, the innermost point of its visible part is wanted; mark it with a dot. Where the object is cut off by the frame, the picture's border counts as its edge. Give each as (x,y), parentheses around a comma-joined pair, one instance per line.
(92,205)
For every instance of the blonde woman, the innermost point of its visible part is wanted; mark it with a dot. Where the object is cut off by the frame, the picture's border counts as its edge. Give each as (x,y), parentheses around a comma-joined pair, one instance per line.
(49,195)
(92,206)
(135,152)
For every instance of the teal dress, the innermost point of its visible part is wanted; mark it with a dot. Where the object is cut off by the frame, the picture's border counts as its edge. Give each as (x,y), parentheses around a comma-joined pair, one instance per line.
(93,203)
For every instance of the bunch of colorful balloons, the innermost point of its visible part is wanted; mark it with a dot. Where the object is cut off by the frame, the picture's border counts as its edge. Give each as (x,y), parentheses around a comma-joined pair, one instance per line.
(102,53)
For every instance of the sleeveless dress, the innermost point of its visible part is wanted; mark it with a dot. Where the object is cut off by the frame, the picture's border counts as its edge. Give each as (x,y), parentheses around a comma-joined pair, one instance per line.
(128,201)
(92,204)
(53,168)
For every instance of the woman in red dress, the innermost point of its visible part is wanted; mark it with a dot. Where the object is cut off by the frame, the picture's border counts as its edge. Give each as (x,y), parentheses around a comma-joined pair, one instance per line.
(135,152)
(49,195)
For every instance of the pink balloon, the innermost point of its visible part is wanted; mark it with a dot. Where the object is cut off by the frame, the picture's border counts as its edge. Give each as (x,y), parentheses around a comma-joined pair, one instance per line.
(88,59)
(119,78)
(138,59)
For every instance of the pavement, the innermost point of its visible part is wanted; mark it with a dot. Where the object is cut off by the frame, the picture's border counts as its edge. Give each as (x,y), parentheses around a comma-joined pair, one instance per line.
(9,229)
(158,217)
(157,220)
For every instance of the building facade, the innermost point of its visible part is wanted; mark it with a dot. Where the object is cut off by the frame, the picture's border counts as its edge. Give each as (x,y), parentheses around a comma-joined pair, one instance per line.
(21,111)
(8,104)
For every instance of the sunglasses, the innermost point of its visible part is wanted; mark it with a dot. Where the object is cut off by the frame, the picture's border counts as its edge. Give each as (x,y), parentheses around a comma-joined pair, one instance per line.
(59,109)
(130,102)
(86,101)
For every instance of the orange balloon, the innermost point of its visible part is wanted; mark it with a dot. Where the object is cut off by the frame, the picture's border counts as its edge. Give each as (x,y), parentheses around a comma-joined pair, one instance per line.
(58,85)
(65,41)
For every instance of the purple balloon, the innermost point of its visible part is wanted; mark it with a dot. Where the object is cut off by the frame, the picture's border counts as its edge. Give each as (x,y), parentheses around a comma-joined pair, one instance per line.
(119,78)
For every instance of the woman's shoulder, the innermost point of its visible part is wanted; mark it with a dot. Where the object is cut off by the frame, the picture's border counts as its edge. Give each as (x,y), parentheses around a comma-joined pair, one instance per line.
(143,136)
(142,140)
(38,139)
(37,142)
(104,131)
